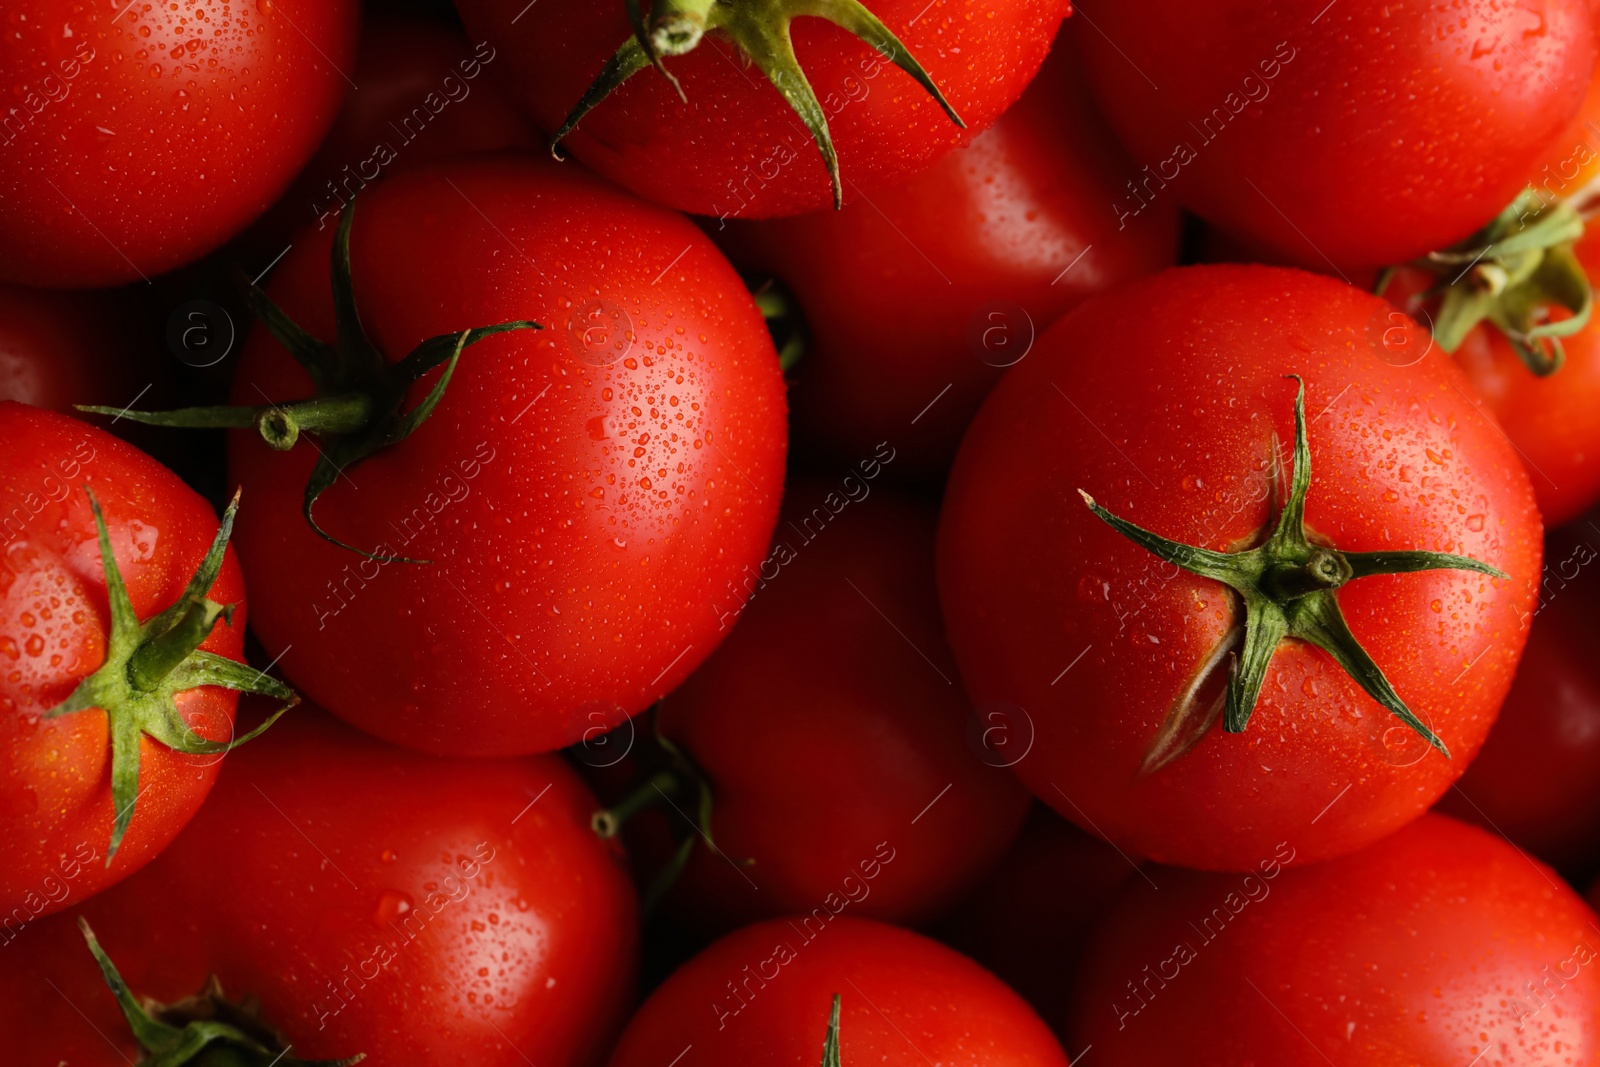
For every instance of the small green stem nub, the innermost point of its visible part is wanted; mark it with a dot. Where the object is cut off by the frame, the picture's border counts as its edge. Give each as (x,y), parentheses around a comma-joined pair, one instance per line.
(1322,569)
(665,784)
(281,424)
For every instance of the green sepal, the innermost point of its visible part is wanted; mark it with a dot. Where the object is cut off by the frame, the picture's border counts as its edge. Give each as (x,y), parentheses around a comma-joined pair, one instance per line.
(1509,274)
(148,664)
(359,406)
(830,1043)
(247,1042)
(1288,585)
(761,30)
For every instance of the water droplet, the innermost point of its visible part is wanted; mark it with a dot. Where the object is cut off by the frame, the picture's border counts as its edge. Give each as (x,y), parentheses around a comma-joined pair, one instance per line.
(392,904)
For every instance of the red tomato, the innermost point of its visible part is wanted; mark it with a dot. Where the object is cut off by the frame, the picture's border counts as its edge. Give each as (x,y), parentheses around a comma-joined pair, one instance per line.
(418,910)
(762,996)
(1115,657)
(1553,421)
(1030,920)
(915,302)
(1289,126)
(56,807)
(736,148)
(585,493)
(422,99)
(1439,944)
(60,348)
(138,137)
(1534,780)
(833,731)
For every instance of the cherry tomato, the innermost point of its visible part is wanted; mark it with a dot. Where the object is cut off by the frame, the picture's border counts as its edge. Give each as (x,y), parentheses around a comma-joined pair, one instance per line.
(583,494)
(832,731)
(736,148)
(135,138)
(61,815)
(1288,127)
(763,995)
(1439,944)
(1534,780)
(1029,922)
(423,98)
(1122,662)
(417,910)
(914,303)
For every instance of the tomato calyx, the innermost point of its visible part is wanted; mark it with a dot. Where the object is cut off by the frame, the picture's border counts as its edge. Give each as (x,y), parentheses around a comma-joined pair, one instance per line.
(359,406)
(1511,274)
(761,30)
(207,1030)
(673,777)
(830,1043)
(785,321)
(1288,585)
(147,664)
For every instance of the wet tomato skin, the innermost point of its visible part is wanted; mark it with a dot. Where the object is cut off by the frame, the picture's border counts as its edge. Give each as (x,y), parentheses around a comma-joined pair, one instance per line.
(1179,441)
(582,520)
(56,808)
(423,911)
(1438,944)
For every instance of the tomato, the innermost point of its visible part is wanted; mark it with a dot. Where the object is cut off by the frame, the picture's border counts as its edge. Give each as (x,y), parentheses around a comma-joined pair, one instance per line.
(916,302)
(139,137)
(734,147)
(1287,126)
(831,728)
(63,348)
(422,99)
(97,777)
(1439,944)
(762,995)
(545,553)
(1534,780)
(1121,662)
(417,910)
(1552,420)
(1029,922)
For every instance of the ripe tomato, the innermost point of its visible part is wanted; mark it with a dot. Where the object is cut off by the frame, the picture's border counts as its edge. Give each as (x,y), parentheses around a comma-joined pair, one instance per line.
(417,910)
(1534,780)
(423,98)
(1287,126)
(1029,922)
(832,731)
(1116,657)
(762,995)
(1554,420)
(63,348)
(138,137)
(584,493)
(1439,944)
(735,147)
(92,789)
(914,303)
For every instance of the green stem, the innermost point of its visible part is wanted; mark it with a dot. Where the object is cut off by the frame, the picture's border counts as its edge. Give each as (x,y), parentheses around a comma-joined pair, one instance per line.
(280,425)
(662,785)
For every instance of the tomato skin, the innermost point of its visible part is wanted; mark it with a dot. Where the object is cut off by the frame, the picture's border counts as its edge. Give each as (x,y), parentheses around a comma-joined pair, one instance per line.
(1423,948)
(898,294)
(837,754)
(736,149)
(895,987)
(504,656)
(55,774)
(423,98)
(187,94)
(1030,579)
(315,847)
(1533,783)
(1363,176)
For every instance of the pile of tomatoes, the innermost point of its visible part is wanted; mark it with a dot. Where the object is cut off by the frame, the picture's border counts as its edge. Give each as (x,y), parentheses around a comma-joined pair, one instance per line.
(995,533)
